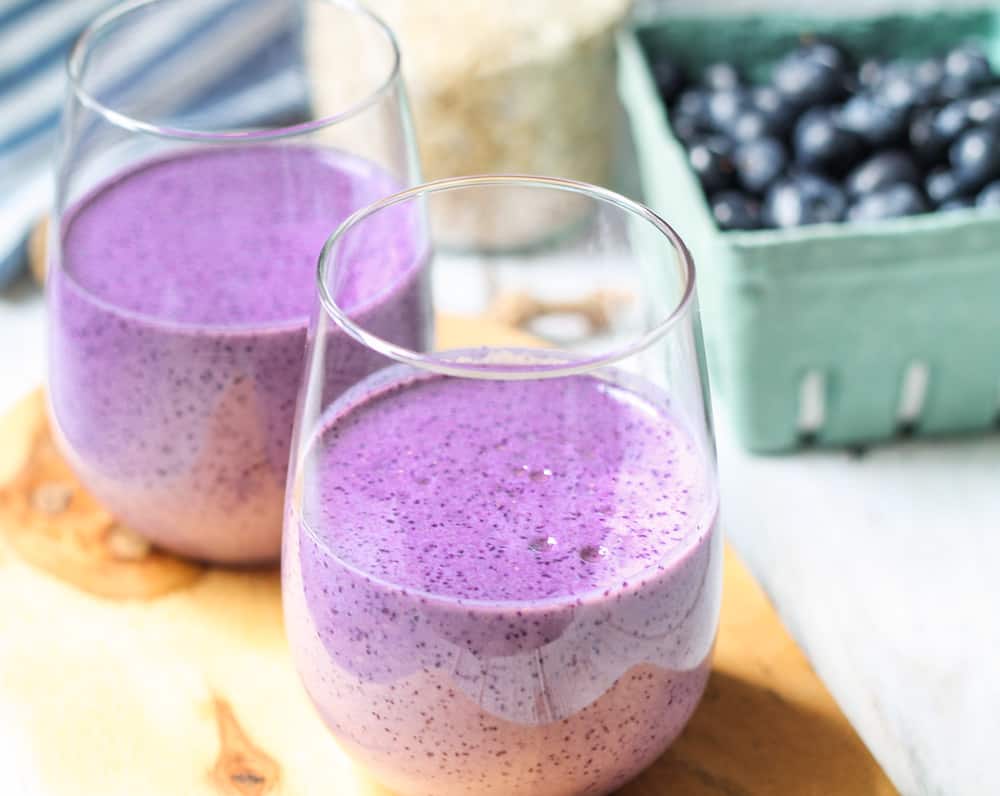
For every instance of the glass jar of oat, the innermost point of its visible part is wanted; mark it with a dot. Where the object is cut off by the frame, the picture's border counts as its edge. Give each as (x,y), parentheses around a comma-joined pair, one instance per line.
(524,86)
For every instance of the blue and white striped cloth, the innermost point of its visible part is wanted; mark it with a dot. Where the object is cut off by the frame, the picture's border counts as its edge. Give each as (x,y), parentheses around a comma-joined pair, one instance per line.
(214,62)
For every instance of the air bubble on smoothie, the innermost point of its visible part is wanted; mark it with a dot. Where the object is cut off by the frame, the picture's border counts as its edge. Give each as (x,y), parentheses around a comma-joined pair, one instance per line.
(540,475)
(542,544)
(593,553)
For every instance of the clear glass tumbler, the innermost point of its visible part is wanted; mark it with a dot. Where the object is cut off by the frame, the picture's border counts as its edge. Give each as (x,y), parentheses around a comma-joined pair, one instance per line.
(502,565)
(196,187)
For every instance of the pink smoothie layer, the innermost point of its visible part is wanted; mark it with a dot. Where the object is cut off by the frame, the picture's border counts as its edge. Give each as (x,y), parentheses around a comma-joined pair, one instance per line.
(179,326)
(502,587)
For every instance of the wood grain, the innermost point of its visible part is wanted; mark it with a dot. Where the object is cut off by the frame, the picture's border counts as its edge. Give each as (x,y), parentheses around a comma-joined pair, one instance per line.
(53,523)
(125,671)
(241,769)
(37,254)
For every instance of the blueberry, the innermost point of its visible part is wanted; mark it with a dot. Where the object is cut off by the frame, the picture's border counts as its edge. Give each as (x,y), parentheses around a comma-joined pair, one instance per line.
(803,199)
(876,122)
(693,104)
(686,128)
(989,196)
(975,156)
(770,102)
(885,168)
(735,210)
(871,72)
(711,160)
(669,77)
(749,125)
(968,65)
(952,120)
(966,69)
(759,163)
(892,201)
(954,89)
(942,185)
(820,143)
(805,80)
(926,142)
(901,91)
(927,77)
(721,76)
(826,51)
(985,109)
(720,143)
(725,106)
(958,203)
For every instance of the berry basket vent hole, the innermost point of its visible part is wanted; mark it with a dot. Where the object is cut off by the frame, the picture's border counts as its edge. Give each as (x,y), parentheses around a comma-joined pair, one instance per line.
(996,417)
(912,397)
(812,406)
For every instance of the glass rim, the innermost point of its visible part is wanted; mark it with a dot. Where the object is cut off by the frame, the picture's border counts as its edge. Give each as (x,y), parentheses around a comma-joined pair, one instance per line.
(85,42)
(433,362)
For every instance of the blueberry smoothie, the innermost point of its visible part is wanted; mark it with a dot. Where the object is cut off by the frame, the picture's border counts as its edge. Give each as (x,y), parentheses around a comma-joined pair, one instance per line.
(502,587)
(178,322)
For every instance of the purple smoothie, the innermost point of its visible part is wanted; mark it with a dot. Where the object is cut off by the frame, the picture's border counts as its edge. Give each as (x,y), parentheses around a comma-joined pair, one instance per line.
(178,333)
(502,587)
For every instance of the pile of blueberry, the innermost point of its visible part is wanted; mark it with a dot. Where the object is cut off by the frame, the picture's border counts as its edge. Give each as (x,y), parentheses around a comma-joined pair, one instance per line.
(831,140)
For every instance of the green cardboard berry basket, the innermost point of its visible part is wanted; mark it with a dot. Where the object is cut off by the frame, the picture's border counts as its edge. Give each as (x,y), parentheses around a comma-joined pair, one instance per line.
(837,333)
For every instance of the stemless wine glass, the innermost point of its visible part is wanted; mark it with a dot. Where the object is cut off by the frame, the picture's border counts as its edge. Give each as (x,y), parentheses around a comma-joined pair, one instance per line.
(196,187)
(501,566)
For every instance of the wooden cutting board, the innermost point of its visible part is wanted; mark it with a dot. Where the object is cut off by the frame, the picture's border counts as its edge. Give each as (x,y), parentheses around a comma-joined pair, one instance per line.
(124,671)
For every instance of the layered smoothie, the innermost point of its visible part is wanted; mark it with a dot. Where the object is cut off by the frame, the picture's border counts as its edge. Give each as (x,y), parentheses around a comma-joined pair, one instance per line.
(178,333)
(502,587)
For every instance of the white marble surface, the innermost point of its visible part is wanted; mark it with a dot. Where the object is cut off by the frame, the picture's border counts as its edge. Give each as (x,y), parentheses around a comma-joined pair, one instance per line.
(885,569)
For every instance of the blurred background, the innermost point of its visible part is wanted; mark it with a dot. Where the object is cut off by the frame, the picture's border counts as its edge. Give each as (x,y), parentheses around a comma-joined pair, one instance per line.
(557,88)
